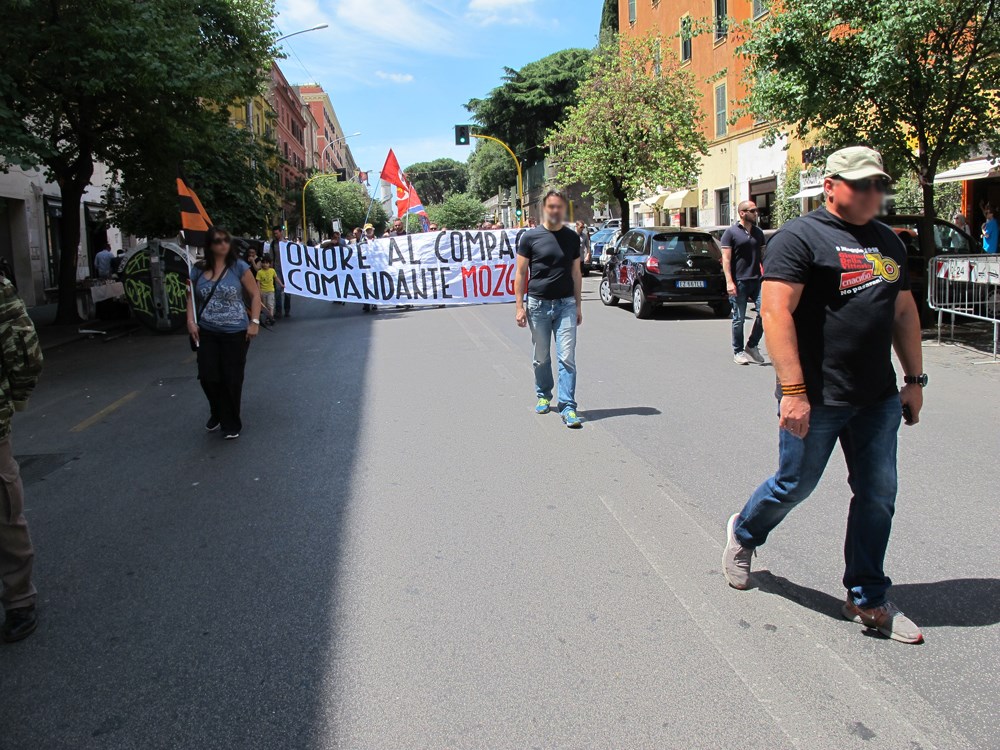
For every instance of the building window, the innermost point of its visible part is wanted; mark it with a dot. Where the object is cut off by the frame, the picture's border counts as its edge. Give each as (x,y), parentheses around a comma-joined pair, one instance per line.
(631,11)
(723,215)
(721,114)
(760,8)
(721,19)
(686,39)
(657,60)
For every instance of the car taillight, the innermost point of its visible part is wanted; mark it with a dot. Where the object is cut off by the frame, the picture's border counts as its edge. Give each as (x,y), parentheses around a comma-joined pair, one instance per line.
(652,264)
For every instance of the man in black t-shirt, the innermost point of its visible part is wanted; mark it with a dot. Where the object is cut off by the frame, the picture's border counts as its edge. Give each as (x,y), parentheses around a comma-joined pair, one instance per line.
(742,248)
(836,302)
(282,299)
(548,268)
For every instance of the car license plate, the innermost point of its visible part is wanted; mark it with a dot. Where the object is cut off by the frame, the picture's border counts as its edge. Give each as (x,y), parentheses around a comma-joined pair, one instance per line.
(691,284)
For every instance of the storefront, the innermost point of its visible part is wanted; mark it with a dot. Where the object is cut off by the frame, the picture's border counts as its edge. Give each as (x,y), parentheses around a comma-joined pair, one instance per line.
(980,180)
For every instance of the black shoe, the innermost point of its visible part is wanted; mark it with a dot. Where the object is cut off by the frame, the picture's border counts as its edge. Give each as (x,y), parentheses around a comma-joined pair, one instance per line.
(20,623)
(212,424)
(231,435)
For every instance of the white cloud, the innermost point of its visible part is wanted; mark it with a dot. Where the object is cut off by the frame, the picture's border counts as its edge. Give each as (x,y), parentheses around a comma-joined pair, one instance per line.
(298,14)
(506,12)
(394,77)
(396,22)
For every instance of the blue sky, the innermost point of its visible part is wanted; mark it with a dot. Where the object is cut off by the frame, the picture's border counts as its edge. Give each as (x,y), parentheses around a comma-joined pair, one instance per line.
(399,71)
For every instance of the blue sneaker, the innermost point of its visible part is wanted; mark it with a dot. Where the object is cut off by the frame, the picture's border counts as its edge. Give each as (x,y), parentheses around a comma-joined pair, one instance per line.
(542,407)
(570,419)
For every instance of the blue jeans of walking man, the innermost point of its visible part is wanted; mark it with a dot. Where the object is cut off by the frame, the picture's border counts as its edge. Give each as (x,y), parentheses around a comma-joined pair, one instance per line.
(747,290)
(868,438)
(548,319)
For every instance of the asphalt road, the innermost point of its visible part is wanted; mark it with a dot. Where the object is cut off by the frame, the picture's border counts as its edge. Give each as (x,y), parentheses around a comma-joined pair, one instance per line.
(398,553)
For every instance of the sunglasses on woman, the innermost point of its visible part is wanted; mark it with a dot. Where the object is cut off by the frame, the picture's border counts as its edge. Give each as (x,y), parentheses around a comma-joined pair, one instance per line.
(864,185)
(220,241)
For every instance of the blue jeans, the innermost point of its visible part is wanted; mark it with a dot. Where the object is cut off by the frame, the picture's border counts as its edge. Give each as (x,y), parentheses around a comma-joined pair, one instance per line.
(548,318)
(282,302)
(747,290)
(868,438)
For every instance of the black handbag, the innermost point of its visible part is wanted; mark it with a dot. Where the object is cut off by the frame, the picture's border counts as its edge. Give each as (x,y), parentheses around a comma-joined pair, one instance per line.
(191,341)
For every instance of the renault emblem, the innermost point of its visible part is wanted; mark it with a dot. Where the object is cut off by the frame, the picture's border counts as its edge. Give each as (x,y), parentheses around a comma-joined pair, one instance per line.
(690,263)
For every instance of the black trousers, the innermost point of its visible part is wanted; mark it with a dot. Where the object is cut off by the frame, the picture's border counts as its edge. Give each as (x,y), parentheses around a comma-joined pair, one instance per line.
(222,359)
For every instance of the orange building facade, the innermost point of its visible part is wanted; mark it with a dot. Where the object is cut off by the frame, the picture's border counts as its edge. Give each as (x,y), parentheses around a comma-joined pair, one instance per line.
(738,166)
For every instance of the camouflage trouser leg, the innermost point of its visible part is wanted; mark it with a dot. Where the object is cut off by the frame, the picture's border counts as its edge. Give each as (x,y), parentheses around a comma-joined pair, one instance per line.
(16,553)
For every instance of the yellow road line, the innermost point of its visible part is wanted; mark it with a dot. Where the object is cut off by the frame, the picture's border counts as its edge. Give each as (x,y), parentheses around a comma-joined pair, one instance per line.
(92,420)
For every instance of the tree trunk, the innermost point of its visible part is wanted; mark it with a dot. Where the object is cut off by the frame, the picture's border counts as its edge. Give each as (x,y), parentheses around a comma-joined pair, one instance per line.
(928,249)
(622,199)
(71,189)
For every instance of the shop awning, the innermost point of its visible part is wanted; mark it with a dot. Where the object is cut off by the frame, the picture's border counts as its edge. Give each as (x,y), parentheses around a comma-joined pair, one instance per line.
(657,200)
(681,199)
(976,169)
(810,192)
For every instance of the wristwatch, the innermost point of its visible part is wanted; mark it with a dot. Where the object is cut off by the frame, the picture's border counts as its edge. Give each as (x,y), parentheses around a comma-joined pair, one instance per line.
(920,379)
(255,321)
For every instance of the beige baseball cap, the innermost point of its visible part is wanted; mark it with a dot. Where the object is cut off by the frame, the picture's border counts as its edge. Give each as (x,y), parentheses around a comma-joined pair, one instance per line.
(855,163)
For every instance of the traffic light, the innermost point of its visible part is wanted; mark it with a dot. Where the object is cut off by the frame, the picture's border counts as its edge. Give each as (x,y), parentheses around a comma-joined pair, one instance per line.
(518,212)
(462,137)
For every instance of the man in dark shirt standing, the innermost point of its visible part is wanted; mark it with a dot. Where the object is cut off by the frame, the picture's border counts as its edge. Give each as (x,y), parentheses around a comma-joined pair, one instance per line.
(836,301)
(742,248)
(550,256)
(282,299)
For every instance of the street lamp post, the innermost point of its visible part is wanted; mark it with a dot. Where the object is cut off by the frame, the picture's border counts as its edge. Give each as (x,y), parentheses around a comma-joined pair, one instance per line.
(302,31)
(322,157)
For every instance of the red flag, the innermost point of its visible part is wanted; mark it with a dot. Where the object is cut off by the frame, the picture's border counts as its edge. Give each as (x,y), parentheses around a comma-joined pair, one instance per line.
(391,172)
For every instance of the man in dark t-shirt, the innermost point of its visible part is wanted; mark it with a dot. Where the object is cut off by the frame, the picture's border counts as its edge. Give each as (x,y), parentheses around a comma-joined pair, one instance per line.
(548,268)
(836,302)
(742,248)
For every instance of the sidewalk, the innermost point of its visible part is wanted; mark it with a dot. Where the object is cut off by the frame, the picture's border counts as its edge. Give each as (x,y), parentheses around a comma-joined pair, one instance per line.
(53,336)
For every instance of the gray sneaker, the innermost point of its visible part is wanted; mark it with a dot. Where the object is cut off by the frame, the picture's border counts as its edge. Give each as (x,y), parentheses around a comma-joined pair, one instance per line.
(736,558)
(742,358)
(887,620)
(754,353)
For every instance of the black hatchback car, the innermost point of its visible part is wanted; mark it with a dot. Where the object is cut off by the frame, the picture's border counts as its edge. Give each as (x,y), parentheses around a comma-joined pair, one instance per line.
(654,266)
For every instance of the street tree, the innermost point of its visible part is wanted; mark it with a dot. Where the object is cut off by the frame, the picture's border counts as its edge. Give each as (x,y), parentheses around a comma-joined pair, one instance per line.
(609,19)
(459,211)
(530,101)
(915,79)
(329,199)
(637,125)
(234,174)
(436,180)
(123,83)
(490,169)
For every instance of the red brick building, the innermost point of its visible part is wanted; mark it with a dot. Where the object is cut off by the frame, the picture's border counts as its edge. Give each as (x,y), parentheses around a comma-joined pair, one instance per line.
(290,136)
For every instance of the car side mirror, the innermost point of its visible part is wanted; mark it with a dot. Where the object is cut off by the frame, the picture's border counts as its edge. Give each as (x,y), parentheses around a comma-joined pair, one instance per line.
(611,251)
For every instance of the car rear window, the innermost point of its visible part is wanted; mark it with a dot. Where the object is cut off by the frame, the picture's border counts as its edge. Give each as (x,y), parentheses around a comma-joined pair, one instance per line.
(688,244)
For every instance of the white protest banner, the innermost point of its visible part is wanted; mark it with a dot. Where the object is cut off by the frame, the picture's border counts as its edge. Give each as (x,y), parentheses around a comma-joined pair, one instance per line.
(436,268)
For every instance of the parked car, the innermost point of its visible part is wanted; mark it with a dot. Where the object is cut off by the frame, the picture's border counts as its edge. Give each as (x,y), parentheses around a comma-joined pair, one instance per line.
(600,240)
(656,266)
(612,224)
(948,238)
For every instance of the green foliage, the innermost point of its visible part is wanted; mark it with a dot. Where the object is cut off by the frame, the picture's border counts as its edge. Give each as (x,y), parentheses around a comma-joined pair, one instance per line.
(531,100)
(908,197)
(490,169)
(631,130)
(329,199)
(131,84)
(915,79)
(436,180)
(459,211)
(232,173)
(609,19)
(786,208)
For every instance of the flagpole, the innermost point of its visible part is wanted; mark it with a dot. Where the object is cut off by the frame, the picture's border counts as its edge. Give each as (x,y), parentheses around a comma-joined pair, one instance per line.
(378,188)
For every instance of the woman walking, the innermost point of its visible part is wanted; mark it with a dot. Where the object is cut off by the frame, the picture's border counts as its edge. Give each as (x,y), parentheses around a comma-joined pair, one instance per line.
(221,329)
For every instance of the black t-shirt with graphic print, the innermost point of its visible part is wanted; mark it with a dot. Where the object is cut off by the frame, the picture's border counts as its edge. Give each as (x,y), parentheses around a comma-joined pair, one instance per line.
(852,276)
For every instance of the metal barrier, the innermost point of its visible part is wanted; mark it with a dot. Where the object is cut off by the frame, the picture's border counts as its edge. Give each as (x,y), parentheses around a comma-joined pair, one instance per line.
(966,285)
